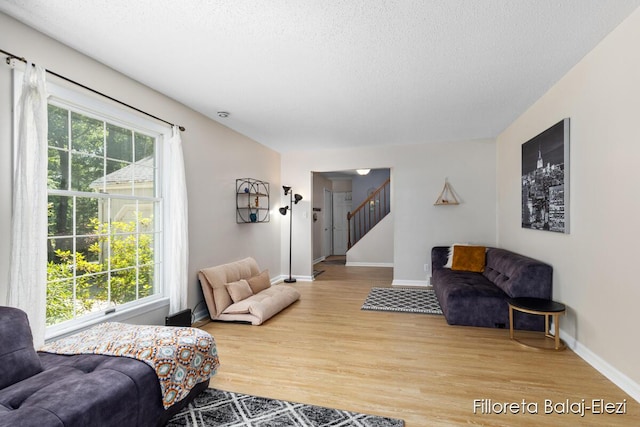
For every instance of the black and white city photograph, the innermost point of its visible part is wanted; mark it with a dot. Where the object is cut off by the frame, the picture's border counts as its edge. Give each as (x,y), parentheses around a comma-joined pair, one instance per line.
(545,180)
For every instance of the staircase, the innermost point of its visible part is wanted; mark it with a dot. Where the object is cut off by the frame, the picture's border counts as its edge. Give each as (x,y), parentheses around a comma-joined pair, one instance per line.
(369,213)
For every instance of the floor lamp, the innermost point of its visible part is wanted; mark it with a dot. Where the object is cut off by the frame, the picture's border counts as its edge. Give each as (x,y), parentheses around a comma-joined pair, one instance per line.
(293,200)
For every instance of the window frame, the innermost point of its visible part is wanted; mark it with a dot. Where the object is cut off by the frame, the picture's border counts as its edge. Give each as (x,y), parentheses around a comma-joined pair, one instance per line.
(84,103)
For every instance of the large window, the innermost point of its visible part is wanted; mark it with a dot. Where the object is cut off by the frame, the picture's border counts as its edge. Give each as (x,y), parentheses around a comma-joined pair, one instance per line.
(104,209)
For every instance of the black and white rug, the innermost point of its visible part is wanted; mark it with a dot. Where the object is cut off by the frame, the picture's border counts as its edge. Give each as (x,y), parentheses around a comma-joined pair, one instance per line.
(407,300)
(225,409)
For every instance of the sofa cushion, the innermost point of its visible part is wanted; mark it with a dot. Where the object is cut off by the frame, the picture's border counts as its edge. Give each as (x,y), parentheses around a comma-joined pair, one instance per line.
(87,390)
(260,282)
(18,358)
(469,258)
(518,275)
(240,307)
(239,290)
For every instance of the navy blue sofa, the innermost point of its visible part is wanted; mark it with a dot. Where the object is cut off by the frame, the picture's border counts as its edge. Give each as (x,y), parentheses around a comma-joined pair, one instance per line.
(479,299)
(44,389)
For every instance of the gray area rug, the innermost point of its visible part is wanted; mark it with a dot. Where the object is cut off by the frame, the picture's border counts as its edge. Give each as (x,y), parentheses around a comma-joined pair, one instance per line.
(407,300)
(226,409)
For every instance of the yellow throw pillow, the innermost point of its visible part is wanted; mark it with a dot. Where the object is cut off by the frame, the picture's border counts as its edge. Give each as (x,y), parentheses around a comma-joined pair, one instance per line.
(239,290)
(469,258)
(260,282)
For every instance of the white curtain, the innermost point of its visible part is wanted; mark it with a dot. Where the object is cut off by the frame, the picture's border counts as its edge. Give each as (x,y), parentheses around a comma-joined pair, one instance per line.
(176,237)
(28,272)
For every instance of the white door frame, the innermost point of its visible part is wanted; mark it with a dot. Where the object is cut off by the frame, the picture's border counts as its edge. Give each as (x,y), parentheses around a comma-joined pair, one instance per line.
(327,223)
(341,206)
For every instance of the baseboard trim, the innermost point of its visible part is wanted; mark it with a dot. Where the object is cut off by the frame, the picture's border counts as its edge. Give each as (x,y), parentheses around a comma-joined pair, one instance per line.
(629,386)
(322,258)
(411,283)
(201,314)
(281,278)
(369,264)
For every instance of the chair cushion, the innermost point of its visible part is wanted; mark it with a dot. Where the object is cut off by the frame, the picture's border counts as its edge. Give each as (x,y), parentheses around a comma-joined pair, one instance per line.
(260,282)
(239,290)
(18,358)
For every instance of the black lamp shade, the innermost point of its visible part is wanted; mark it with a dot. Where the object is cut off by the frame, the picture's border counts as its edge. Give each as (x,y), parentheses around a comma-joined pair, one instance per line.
(297,198)
(286,189)
(284,210)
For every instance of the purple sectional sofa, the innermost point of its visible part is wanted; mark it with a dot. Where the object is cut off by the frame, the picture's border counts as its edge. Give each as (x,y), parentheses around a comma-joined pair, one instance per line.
(479,299)
(44,389)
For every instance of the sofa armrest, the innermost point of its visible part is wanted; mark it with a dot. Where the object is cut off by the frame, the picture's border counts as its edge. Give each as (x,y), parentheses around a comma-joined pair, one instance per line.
(439,255)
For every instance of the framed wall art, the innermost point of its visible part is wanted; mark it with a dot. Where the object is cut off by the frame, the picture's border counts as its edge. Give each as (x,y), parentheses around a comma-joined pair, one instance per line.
(545,180)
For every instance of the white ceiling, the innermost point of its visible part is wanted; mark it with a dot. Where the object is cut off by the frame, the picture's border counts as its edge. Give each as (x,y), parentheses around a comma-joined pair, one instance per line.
(311,74)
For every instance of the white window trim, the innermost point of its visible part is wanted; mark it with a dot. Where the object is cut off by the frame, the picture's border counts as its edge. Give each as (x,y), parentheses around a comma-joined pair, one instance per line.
(103,110)
(124,312)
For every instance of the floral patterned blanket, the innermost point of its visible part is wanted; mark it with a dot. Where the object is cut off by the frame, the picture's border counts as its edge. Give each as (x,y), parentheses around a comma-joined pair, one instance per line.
(181,357)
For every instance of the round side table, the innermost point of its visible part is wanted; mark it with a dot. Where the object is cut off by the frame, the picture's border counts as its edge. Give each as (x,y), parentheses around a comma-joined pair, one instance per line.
(542,307)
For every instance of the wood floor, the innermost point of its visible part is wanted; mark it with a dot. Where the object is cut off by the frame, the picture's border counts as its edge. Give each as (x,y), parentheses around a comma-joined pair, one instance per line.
(323,350)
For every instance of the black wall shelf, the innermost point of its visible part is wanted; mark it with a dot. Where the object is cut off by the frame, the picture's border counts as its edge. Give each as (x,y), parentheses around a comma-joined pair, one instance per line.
(252,201)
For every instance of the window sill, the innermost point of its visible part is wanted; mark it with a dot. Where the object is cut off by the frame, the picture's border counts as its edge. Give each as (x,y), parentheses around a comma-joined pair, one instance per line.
(54,332)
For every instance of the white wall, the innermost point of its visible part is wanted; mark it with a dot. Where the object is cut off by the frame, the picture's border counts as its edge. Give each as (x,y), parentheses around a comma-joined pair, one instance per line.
(417,176)
(214,157)
(595,267)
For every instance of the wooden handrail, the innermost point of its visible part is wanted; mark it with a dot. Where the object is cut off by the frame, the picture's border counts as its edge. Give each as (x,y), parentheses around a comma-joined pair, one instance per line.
(365,222)
(368,199)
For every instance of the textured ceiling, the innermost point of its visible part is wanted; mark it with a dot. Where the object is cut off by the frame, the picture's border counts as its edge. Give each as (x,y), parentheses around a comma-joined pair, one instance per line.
(311,74)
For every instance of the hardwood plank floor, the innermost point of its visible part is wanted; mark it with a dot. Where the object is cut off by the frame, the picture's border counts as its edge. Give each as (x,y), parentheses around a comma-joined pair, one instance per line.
(323,350)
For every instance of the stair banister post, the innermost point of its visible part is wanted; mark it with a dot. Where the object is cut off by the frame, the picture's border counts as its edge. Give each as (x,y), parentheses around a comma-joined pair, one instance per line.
(349,230)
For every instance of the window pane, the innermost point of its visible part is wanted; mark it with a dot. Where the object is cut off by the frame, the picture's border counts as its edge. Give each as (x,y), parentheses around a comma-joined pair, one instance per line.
(145,216)
(93,249)
(92,291)
(144,145)
(124,286)
(119,179)
(60,252)
(89,212)
(86,172)
(145,249)
(58,169)
(58,127)
(119,143)
(88,256)
(60,301)
(60,214)
(146,281)
(144,180)
(124,251)
(87,134)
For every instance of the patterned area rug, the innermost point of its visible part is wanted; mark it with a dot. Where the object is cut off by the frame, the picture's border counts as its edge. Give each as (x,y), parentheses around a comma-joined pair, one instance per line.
(225,409)
(408,300)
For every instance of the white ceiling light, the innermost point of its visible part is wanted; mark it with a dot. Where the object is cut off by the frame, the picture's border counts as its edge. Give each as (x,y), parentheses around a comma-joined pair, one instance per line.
(363,171)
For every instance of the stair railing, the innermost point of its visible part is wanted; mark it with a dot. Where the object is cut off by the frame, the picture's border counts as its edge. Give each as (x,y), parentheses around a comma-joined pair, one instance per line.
(369,213)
